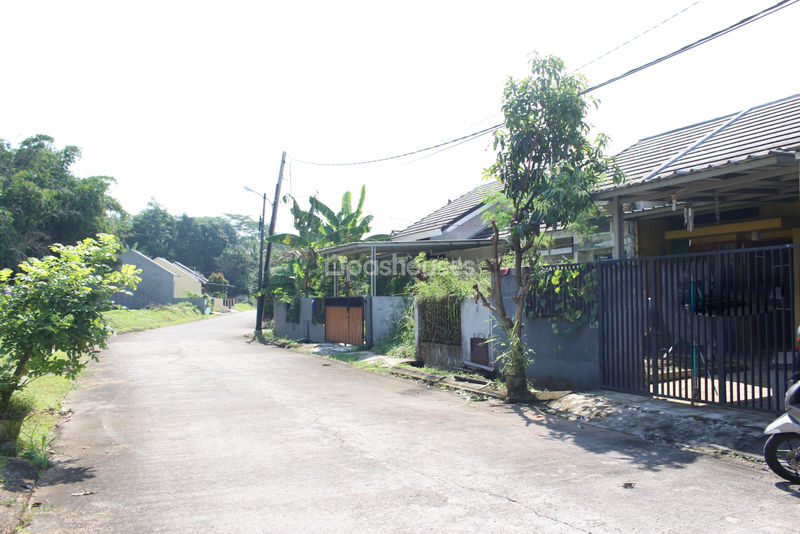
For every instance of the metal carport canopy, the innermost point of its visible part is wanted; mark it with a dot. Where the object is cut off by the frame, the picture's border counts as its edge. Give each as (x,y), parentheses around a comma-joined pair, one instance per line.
(402,247)
(406,247)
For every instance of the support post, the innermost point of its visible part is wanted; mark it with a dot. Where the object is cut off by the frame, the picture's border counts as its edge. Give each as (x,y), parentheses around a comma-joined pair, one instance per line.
(265,278)
(373,275)
(618,228)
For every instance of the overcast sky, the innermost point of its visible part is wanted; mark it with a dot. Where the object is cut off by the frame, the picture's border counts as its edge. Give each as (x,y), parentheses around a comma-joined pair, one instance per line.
(187,102)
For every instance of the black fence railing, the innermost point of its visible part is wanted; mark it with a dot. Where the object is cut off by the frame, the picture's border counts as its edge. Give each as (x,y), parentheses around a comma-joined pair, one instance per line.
(564,290)
(714,327)
(440,320)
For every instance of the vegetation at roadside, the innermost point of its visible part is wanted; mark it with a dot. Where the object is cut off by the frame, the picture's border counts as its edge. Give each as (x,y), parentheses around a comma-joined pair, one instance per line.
(400,343)
(546,167)
(51,312)
(43,397)
(243,306)
(131,320)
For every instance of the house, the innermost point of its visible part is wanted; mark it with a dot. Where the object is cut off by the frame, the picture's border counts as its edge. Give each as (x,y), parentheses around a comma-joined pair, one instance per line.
(702,297)
(186,283)
(157,285)
(162,282)
(729,182)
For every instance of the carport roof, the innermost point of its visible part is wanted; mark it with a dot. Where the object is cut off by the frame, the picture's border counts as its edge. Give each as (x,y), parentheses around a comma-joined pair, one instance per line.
(406,247)
(745,156)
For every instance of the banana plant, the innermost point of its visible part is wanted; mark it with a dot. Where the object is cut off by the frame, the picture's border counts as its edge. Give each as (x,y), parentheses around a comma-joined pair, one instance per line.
(320,227)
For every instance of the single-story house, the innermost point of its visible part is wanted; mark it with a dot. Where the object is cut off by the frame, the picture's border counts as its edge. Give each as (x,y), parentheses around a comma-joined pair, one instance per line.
(162,282)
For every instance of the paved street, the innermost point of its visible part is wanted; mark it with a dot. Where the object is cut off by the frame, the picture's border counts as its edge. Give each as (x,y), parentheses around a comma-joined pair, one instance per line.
(191,428)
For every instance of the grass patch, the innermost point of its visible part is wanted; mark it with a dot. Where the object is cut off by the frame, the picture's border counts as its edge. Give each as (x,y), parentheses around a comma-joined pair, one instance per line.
(243,306)
(42,397)
(131,320)
(347,357)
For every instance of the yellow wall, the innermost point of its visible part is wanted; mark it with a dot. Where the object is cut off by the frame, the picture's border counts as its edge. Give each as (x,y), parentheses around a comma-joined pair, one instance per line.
(184,283)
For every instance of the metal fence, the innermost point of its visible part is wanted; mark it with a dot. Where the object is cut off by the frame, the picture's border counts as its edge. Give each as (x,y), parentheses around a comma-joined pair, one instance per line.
(564,289)
(715,327)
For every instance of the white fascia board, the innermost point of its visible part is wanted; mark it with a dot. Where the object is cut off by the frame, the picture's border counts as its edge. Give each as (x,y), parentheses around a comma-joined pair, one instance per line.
(419,236)
(468,218)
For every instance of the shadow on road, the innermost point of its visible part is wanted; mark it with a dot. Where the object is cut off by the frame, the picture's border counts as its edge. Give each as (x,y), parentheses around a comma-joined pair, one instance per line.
(788,487)
(643,454)
(64,473)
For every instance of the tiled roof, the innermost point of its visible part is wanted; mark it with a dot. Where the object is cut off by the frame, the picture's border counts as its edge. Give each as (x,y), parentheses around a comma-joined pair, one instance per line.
(752,133)
(453,211)
(755,132)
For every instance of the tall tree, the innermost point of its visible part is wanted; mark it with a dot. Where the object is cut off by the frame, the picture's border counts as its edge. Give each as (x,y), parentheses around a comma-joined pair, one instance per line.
(42,202)
(547,167)
(153,231)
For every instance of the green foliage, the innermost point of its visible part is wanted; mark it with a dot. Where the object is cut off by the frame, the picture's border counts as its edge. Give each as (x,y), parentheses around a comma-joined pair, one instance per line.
(56,304)
(440,319)
(565,293)
(401,342)
(226,244)
(441,278)
(42,202)
(317,228)
(154,317)
(293,311)
(218,285)
(547,168)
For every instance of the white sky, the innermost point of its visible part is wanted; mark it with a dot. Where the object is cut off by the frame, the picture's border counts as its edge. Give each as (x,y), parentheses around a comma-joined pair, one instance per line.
(187,102)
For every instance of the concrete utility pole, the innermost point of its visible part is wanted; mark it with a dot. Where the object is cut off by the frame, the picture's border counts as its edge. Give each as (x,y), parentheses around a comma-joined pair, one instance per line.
(265,278)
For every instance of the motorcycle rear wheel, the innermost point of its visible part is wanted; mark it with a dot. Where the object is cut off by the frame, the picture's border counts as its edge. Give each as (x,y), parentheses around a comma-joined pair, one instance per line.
(782,454)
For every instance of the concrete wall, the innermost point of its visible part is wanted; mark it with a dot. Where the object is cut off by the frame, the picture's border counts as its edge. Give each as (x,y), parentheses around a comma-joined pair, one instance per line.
(157,285)
(384,313)
(565,360)
(476,321)
(301,330)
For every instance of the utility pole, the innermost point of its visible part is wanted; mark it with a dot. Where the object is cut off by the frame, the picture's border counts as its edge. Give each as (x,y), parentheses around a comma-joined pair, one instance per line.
(265,277)
(260,310)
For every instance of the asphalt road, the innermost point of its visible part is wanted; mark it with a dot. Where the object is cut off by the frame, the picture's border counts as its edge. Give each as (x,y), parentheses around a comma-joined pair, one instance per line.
(191,428)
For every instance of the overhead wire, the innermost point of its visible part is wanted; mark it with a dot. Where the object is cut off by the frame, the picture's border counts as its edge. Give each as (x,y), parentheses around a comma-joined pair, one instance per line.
(642,34)
(743,22)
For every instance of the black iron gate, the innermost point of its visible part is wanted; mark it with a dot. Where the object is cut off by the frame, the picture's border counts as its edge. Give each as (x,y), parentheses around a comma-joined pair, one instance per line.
(715,327)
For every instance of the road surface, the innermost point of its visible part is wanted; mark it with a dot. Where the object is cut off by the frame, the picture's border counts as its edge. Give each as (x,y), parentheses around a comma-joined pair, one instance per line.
(191,428)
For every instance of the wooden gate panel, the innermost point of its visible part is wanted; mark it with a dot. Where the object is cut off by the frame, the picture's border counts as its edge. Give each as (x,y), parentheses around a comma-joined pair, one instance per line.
(355,326)
(344,320)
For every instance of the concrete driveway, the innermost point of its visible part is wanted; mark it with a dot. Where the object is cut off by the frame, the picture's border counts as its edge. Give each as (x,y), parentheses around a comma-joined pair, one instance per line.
(193,429)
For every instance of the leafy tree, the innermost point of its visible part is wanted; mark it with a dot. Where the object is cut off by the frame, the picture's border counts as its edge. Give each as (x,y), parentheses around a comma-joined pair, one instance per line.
(547,167)
(219,286)
(317,228)
(42,202)
(305,245)
(153,231)
(56,303)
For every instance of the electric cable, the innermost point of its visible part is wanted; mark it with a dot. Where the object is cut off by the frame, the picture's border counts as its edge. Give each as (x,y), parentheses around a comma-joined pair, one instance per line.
(744,22)
(632,39)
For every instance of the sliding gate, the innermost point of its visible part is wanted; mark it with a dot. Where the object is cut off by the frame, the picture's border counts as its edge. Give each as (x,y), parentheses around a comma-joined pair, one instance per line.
(716,327)
(344,320)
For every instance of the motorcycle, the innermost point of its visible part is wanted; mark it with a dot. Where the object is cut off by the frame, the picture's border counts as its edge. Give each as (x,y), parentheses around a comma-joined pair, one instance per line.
(782,449)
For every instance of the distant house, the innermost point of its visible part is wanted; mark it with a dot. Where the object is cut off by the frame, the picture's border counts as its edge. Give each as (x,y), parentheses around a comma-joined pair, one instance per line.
(163,282)
(157,286)
(186,283)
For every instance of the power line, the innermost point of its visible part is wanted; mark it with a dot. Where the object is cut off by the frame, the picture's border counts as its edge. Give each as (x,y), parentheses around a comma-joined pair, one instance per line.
(632,39)
(378,160)
(744,22)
